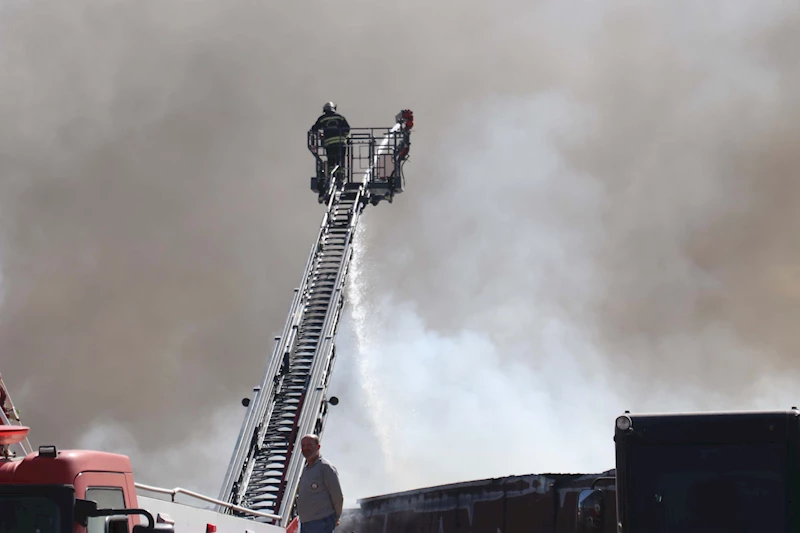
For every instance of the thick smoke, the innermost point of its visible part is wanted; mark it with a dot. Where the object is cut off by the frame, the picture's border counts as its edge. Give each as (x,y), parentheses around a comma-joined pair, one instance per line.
(646,197)
(622,239)
(599,199)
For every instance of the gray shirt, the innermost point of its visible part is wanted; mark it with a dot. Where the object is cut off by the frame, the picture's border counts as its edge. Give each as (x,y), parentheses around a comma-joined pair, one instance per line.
(319,494)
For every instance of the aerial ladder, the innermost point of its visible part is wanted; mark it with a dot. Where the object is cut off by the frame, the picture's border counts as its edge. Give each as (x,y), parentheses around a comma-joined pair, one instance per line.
(9,416)
(292,400)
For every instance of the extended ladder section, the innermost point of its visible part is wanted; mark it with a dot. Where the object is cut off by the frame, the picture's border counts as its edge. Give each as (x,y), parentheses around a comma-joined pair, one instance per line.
(292,399)
(9,416)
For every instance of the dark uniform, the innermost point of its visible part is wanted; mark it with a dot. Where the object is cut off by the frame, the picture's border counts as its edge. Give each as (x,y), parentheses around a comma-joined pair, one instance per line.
(334,134)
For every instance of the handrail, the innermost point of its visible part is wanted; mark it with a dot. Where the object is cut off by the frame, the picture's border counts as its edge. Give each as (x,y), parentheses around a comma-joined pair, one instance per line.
(263,400)
(310,412)
(318,372)
(178,490)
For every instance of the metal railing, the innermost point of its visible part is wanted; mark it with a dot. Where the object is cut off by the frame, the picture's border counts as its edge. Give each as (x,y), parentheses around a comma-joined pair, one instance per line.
(371,169)
(178,490)
(241,463)
(370,154)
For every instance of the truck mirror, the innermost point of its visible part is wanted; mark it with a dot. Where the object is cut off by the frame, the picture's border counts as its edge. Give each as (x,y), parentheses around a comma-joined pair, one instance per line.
(116,524)
(590,511)
(83,510)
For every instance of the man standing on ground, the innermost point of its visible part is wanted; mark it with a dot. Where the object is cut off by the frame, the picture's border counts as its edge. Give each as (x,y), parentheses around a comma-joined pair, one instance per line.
(319,495)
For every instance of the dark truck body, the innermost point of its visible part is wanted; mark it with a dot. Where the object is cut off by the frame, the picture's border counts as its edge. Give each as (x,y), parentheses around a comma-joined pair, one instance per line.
(735,471)
(533,503)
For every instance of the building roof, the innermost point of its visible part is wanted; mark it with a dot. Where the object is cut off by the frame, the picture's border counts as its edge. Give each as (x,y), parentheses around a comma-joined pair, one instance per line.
(527,482)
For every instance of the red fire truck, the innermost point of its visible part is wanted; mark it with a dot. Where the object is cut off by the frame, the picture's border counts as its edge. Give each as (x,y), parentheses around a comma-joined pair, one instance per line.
(81,491)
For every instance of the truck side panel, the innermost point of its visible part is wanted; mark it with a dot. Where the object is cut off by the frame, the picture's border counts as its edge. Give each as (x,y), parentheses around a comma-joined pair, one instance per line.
(190,519)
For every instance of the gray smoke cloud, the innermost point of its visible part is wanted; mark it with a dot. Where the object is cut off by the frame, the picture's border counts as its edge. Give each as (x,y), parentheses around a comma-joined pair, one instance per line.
(646,197)
(599,216)
(620,239)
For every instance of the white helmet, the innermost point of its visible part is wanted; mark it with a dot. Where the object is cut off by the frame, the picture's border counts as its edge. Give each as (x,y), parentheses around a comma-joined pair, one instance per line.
(330,107)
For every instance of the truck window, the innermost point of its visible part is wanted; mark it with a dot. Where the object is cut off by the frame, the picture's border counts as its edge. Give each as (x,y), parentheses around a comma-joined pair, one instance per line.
(106,498)
(24,513)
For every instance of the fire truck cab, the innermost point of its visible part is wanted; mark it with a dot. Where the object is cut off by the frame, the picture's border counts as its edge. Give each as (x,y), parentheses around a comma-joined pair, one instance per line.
(702,472)
(67,491)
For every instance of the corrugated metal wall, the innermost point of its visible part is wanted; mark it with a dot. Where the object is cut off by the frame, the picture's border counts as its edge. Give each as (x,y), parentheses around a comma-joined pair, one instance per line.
(517,504)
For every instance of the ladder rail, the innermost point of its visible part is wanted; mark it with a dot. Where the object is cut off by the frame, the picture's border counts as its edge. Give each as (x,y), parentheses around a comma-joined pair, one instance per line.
(256,411)
(253,428)
(264,472)
(309,411)
(315,411)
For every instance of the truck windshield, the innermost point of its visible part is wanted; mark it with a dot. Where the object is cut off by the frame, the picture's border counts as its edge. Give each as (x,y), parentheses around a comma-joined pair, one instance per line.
(708,488)
(28,514)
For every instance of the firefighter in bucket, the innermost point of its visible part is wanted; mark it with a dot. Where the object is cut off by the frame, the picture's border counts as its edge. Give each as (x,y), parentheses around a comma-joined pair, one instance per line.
(335,130)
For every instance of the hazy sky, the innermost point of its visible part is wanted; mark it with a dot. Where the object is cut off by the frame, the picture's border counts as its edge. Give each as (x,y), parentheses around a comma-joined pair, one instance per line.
(599,216)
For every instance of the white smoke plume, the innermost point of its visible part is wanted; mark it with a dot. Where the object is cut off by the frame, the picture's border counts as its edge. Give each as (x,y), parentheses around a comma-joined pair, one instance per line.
(600,215)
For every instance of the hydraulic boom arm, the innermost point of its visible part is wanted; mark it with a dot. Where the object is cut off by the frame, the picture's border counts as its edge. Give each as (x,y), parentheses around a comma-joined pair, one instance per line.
(292,399)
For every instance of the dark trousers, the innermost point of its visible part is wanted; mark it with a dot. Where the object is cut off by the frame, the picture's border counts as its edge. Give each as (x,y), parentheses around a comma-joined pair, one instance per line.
(323,525)
(335,153)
